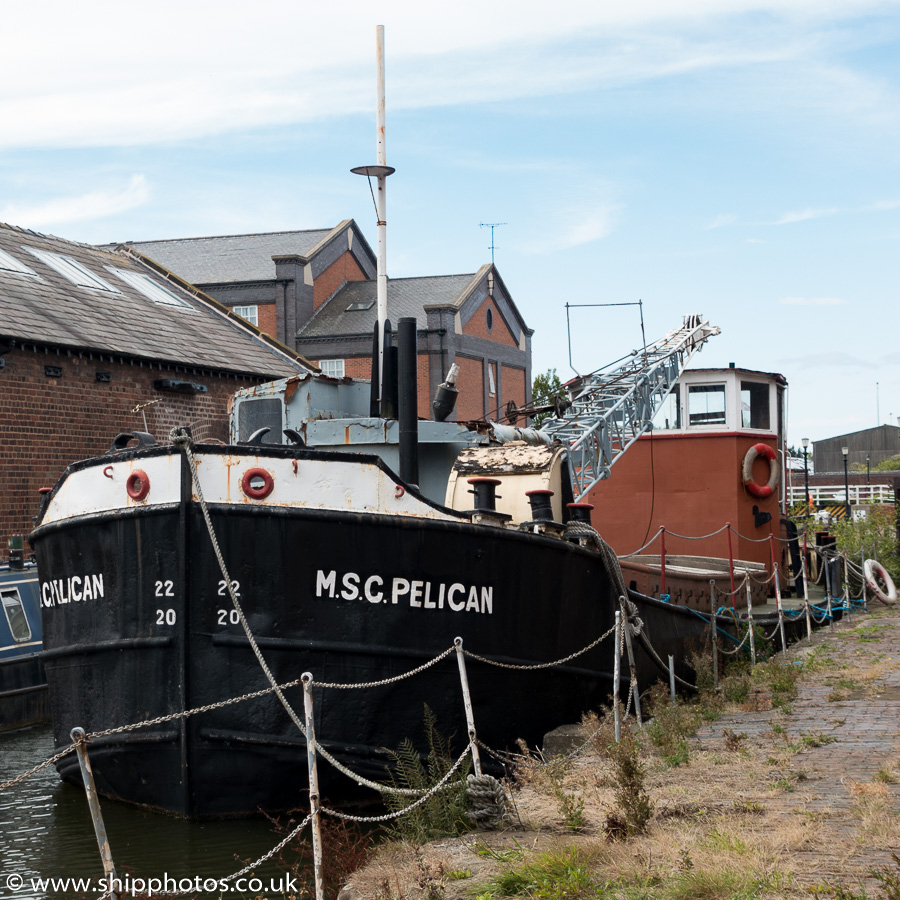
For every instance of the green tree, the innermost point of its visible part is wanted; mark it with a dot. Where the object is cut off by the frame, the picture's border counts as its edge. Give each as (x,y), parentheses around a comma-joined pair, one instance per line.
(545,388)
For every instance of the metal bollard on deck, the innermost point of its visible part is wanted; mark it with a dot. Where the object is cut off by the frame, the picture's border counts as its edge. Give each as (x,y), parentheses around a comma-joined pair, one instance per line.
(467,702)
(87,775)
(318,874)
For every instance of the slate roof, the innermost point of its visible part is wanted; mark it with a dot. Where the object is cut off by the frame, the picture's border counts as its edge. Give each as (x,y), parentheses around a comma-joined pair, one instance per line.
(231,257)
(47,308)
(406,297)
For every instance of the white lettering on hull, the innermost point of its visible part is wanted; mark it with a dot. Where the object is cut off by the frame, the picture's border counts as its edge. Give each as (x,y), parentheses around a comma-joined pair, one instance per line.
(74,589)
(417,594)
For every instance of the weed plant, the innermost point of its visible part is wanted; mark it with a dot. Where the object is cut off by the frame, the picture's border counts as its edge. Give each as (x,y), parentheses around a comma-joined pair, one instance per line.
(557,874)
(444,813)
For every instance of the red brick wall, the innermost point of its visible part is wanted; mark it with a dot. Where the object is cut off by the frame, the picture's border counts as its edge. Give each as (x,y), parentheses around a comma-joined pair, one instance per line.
(470,384)
(477,325)
(266,316)
(513,386)
(47,423)
(344,268)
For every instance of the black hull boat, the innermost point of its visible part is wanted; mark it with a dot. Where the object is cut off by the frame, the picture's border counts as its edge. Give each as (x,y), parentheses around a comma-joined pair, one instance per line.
(343,571)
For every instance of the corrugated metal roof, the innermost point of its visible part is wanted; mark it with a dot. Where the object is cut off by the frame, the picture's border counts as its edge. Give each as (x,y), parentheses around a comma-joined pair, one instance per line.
(47,308)
(406,297)
(230,257)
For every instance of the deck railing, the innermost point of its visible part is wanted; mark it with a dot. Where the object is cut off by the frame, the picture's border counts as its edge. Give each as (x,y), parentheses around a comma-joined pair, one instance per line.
(829,494)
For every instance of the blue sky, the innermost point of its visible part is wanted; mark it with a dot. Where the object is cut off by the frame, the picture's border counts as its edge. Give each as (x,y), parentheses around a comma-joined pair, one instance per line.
(733,158)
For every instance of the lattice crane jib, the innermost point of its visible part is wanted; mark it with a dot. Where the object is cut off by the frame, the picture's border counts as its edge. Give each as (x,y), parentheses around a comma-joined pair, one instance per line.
(612,407)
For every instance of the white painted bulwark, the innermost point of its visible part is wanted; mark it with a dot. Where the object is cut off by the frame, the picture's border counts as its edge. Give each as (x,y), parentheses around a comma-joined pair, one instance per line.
(103,488)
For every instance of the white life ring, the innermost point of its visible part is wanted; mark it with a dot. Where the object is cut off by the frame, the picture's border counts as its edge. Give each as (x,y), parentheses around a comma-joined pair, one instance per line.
(874,570)
(761,491)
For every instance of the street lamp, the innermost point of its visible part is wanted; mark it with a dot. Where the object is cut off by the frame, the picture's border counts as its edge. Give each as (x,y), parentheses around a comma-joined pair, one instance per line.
(846,452)
(805,443)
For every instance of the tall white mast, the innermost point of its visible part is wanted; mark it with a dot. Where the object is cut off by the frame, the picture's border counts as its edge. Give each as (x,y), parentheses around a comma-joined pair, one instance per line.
(380,171)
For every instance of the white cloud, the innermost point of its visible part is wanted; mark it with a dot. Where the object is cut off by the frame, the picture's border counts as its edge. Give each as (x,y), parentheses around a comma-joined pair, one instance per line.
(804,215)
(93,205)
(812,301)
(134,79)
(721,220)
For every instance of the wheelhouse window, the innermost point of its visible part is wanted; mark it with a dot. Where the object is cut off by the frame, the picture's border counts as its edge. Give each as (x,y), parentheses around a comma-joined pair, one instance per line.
(15,614)
(669,415)
(754,405)
(333,368)
(248,313)
(706,404)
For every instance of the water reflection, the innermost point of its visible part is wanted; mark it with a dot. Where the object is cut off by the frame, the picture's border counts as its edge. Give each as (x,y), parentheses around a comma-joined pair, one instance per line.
(46,831)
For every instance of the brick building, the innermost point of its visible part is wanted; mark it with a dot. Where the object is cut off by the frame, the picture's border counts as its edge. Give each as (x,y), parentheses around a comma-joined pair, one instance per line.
(315,291)
(94,342)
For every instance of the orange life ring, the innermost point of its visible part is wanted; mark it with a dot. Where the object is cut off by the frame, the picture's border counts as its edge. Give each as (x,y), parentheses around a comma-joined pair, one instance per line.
(251,490)
(761,491)
(137,485)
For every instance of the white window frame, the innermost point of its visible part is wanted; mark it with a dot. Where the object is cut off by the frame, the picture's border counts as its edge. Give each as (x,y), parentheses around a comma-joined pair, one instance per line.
(333,368)
(9,598)
(492,384)
(243,311)
(719,387)
(9,263)
(150,288)
(73,271)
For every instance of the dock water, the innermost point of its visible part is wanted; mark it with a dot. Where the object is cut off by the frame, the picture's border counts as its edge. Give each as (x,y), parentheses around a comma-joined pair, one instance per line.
(46,831)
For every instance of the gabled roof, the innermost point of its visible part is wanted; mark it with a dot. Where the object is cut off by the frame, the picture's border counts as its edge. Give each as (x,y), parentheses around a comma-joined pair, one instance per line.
(406,297)
(45,307)
(231,257)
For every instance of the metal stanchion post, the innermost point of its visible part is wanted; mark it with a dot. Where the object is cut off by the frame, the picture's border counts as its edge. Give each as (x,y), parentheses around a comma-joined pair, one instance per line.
(307,680)
(750,619)
(806,595)
(636,694)
(862,563)
(829,590)
(780,612)
(846,598)
(713,635)
(672,678)
(467,703)
(616,675)
(87,775)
